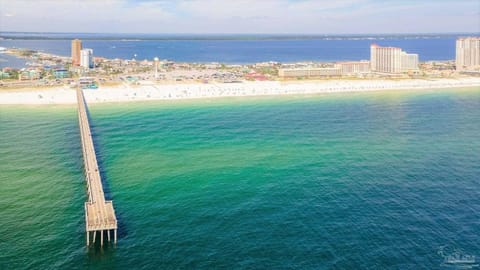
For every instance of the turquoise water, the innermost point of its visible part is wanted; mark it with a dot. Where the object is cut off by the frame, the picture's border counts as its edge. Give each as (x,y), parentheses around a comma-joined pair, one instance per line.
(357,181)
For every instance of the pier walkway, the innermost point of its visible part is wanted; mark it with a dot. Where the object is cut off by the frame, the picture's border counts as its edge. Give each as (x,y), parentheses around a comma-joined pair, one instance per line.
(99,213)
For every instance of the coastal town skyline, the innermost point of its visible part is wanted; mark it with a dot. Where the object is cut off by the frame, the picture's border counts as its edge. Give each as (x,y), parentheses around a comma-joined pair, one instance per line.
(385,62)
(246,16)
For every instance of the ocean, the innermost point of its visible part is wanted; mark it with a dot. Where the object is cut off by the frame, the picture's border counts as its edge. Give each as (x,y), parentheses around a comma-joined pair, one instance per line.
(234,49)
(386,180)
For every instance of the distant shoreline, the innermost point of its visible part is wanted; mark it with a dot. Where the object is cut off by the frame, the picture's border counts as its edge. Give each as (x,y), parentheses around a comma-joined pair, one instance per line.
(6,35)
(152,91)
(214,36)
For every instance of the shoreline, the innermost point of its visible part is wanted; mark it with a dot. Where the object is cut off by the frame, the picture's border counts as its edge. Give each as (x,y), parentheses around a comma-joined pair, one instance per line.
(149,91)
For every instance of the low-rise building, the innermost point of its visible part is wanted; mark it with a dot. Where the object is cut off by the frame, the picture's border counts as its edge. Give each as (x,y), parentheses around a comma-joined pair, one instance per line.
(87,83)
(61,74)
(212,65)
(255,76)
(310,72)
(4,75)
(354,68)
(266,64)
(29,74)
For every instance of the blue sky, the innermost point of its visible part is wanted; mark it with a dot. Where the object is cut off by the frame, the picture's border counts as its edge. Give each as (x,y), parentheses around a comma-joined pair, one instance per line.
(241,16)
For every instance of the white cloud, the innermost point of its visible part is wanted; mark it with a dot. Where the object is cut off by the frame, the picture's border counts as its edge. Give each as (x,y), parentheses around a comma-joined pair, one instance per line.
(239,16)
(81,16)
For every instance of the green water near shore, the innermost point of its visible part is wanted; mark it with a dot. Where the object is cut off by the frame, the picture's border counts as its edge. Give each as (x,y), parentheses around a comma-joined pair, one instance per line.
(362,181)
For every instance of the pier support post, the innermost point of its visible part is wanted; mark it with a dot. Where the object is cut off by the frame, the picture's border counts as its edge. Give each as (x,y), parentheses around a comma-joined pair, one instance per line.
(94,235)
(101,238)
(88,238)
(115,236)
(108,235)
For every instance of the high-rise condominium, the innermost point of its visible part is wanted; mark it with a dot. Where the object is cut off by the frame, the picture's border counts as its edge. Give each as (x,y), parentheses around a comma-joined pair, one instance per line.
(86,58)
(391,60)
(468,53)
(76,49)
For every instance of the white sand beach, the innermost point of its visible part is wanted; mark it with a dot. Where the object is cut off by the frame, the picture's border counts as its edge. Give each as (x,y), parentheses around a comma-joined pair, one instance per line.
(152,91)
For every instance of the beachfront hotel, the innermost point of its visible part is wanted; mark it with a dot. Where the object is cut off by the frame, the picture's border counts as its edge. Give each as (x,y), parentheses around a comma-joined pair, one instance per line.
(76,52)
(409,62)
(391,60)
(309,72)
(468,53)
(354,67)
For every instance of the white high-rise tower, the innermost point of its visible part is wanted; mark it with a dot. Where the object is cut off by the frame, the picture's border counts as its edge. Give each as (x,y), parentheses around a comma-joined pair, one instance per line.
(391,60)
(468,53)
(86,58)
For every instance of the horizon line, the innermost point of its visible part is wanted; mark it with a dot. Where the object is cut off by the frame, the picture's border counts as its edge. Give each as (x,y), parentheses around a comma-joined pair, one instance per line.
(244,33)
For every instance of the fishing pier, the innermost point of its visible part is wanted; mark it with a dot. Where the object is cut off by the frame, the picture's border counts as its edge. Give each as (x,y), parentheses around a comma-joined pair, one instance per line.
(99,213)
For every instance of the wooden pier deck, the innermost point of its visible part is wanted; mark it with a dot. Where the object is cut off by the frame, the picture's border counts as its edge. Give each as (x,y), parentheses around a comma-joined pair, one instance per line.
(99,213)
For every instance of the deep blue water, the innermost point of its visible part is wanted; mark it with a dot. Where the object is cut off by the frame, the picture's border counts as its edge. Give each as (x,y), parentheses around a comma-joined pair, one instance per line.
(240,49)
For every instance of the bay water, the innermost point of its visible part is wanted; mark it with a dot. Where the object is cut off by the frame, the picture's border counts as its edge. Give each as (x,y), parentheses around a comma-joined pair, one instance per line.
(233,49)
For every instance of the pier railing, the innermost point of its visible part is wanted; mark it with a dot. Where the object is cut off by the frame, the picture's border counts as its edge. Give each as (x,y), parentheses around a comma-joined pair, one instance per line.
(99,213)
